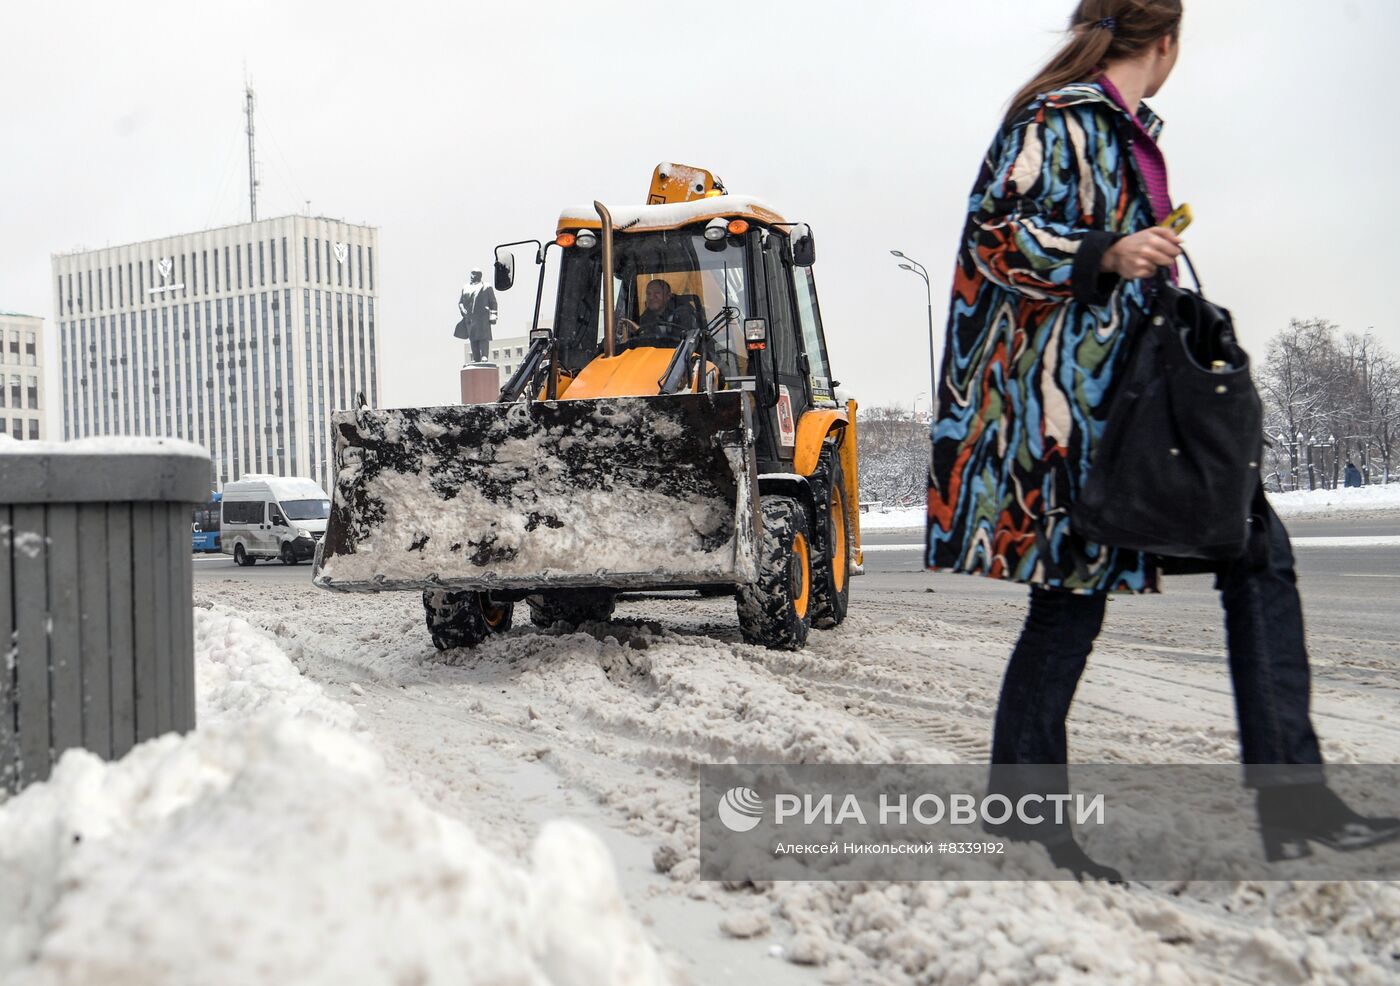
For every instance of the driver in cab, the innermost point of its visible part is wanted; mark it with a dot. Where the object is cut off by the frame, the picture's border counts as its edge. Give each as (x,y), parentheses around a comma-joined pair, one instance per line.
(663,318)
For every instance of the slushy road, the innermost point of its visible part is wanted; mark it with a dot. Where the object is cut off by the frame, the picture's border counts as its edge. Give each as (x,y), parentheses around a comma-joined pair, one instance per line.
(1351,591)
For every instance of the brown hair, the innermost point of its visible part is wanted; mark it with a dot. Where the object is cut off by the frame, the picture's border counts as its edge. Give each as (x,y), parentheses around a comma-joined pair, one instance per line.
(1101,31)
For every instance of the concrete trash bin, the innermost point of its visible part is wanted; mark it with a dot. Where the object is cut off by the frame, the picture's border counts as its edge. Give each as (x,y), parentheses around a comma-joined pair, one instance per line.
(96,610)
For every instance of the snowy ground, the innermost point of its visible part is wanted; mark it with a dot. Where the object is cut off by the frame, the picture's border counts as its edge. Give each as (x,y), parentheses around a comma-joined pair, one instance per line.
(406,806)
(1343,503)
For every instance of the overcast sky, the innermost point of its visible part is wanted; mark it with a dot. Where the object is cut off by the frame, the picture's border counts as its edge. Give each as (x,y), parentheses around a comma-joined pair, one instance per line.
(453,127)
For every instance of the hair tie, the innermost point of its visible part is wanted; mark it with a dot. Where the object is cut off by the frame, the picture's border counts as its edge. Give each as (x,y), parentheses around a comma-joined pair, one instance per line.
(1109,24)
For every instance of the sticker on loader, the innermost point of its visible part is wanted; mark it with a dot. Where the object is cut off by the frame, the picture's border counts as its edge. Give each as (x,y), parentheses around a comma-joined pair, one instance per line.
(787,428)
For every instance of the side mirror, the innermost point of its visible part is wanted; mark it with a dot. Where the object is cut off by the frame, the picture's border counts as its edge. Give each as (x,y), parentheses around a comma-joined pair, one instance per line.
(804,248)
(505,270)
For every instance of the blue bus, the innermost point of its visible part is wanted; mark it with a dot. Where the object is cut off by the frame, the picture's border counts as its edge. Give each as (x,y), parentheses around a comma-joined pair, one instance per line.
(206,525)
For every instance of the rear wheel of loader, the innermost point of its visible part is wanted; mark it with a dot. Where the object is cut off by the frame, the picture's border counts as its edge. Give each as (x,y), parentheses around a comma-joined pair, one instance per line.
(572,606)
(831,563)
(775,610)
(463,618)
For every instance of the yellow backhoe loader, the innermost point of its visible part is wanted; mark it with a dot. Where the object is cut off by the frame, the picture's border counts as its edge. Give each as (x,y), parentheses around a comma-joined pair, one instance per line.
(676,429)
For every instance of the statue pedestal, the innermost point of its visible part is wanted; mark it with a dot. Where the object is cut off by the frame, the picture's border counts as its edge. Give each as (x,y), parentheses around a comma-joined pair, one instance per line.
(481,383)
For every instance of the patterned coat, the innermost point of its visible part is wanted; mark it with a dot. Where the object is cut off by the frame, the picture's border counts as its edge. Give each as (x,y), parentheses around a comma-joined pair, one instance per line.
(1036,335)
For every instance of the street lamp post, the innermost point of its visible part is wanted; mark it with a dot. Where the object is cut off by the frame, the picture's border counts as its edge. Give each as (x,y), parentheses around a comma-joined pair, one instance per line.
(914,266)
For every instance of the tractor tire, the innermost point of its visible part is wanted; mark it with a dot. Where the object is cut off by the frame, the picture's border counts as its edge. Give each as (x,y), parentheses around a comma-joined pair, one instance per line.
(463,618)
(572,606)
(831,561)
(775,610)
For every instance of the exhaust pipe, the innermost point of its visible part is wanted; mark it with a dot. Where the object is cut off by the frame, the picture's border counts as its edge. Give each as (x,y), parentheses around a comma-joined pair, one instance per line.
(609,345)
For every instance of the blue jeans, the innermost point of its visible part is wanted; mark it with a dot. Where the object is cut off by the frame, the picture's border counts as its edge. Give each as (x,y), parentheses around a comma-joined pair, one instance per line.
(1268,666)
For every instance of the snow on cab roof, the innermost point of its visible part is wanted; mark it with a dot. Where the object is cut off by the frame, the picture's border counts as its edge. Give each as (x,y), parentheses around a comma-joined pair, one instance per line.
(632,218)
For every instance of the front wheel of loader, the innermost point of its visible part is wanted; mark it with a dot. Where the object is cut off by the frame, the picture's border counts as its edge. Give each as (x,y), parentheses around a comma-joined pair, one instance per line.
(463,618)
(572,606)
(831,563)
(775,611)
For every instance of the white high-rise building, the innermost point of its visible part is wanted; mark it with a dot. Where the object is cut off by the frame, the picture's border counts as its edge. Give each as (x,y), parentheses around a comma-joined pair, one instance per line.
(22,403)
(242,339)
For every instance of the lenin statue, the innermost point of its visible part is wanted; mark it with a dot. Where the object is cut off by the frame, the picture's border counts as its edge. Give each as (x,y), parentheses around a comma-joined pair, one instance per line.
(477,304)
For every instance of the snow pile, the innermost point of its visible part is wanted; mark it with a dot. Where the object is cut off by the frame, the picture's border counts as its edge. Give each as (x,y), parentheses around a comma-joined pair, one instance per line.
(1026,932)
(1341,503)
(273,846)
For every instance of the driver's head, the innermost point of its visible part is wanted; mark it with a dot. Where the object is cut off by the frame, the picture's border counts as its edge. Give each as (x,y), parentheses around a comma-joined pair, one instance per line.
(658,294)
(476,275)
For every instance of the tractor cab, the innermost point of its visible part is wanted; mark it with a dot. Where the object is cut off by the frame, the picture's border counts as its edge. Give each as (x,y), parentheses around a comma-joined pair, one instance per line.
(700,279)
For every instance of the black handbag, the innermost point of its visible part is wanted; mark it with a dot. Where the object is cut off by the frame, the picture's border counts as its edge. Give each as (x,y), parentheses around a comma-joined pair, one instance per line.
(1178,463)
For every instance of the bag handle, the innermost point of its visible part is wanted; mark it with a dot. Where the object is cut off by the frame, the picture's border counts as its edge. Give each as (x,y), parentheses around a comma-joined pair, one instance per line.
(1160,278)
(1194,276)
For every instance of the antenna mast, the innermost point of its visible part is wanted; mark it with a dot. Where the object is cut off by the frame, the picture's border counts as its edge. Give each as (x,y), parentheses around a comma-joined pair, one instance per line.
(252,162)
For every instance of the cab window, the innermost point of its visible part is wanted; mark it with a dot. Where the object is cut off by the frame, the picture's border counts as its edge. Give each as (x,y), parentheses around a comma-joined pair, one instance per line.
(813,340)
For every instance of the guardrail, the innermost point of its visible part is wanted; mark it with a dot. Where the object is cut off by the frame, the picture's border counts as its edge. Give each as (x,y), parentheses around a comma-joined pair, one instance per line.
(96,617)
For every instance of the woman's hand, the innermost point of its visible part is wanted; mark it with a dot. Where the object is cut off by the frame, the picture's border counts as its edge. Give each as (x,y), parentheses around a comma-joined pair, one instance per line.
(1142,253)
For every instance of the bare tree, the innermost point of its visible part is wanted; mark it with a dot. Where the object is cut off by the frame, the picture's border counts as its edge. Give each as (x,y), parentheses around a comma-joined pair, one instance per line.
(1328,399)
(894,455)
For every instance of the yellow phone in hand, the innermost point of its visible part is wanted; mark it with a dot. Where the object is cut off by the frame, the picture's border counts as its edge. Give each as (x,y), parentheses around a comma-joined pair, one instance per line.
(1179,219)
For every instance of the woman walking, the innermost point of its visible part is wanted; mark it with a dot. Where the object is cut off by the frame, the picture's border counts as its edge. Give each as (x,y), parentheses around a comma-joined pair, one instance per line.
(1057,265)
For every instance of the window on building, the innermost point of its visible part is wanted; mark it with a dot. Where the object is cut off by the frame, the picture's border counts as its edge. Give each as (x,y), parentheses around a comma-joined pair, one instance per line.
(228,272)
(306,258)
(33,429)
(261,279)
(204,269)
(318,261)
(373,369)
(15,399)
(360,325)
(183,290)
(250,265)
(286,271)
(32,392)
(238,266)
(360,266)
(100,299)
(18,428)
(370,251)
(272,259)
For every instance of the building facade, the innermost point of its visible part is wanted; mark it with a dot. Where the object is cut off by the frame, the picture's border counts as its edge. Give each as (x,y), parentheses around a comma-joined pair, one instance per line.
(22,404)
(242,339)
(505,353)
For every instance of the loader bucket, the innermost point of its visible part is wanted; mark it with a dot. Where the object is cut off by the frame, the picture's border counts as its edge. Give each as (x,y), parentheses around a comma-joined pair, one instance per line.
(631,492)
